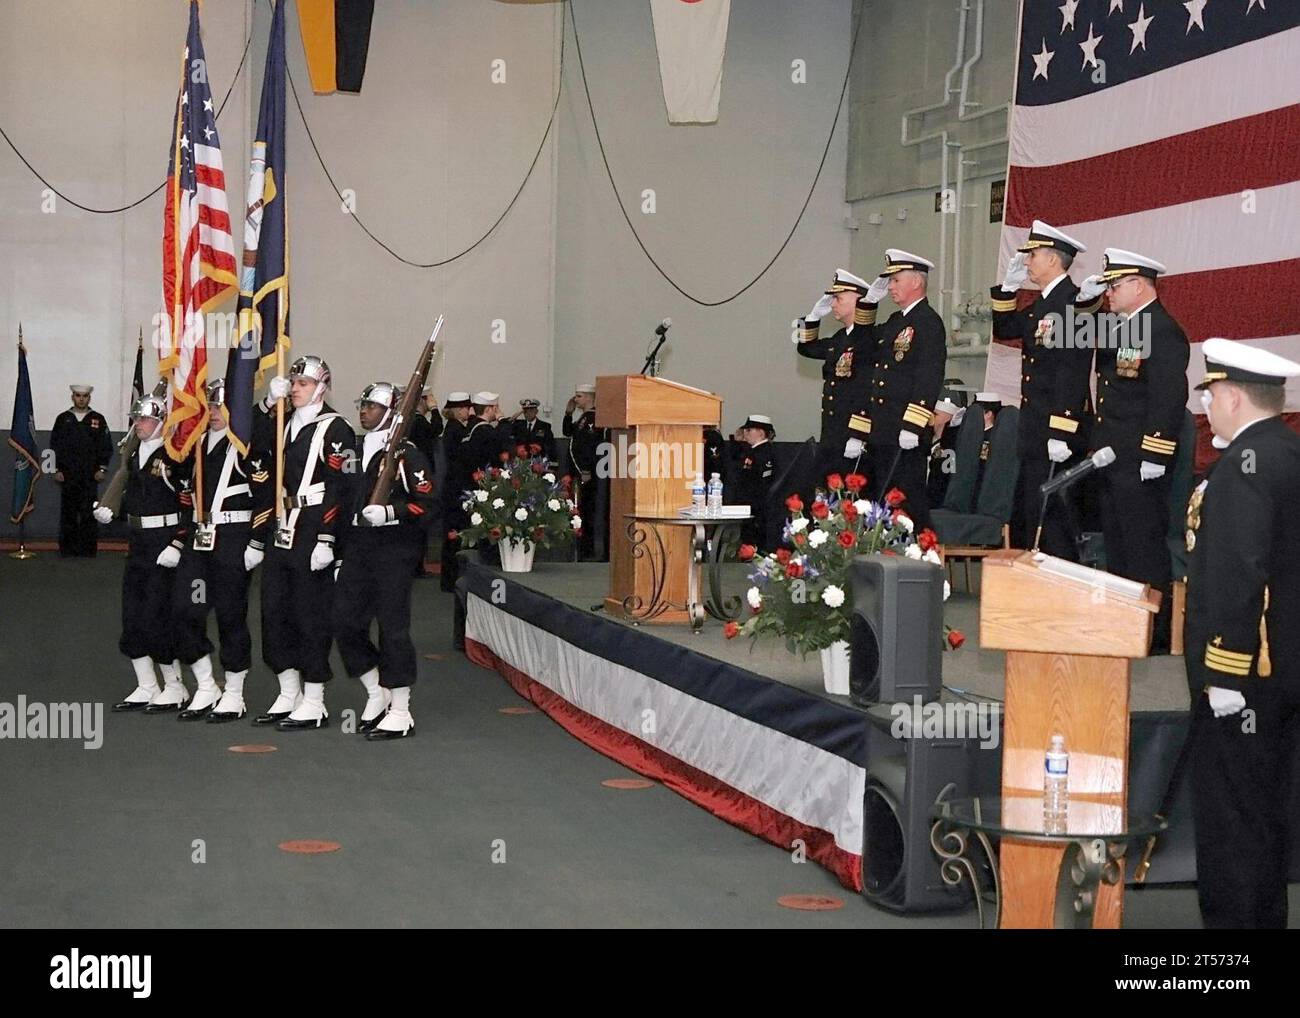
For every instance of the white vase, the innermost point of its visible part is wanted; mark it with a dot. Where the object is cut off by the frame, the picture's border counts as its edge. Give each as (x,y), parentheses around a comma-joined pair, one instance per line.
(835,668)
(517,556)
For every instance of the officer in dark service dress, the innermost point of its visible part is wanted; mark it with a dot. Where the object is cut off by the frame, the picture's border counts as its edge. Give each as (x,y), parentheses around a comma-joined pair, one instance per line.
(1242,641)
(1141,399)
(894,416)
(847,361)
(459,409)
(753,473)
(1055,402)
(82,450)
(527,429)
(585,439)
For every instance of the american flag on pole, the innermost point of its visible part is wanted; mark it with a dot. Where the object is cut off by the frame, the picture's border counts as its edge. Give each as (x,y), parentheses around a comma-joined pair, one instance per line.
(1170,129)
(199,269)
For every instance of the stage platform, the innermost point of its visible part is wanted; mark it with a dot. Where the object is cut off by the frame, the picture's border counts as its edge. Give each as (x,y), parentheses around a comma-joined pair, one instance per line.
(747,731)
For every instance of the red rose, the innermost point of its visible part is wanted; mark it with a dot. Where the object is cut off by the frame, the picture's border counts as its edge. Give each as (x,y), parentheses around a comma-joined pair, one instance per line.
(477,476)
(783,555)
(794,570)
(895,497)
(927,539)
(855,482)
(794,503)
(956,638)
(746,552)
(899,514)
(521,450)
(730,630)
(495,533)
(847,539)
(820,510)
(849,510)
(505,457)
(799,539)
(452,535)
(834,482)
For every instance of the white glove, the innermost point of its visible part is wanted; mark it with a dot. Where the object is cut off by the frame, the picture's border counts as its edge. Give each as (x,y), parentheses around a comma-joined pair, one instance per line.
(907,440)
(877,290)
(321,556)
(853,448)
(252,558)
(1091,288)
(1150,471)
(103,514)
(169,557)
(820,310)
(279,387)
(375,515)
(1225,701)
(1017,273)
(338,564)
(1057,451)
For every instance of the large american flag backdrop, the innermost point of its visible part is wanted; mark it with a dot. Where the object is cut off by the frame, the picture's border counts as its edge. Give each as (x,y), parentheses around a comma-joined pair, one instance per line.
(1172,129)
(199,269)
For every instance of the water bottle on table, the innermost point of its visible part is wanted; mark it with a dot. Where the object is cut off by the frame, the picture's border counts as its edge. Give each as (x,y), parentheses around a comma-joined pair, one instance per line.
(1056,786)
(715,495)
(698,503)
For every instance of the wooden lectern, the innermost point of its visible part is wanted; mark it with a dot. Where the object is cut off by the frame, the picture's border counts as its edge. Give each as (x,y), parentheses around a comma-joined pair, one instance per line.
(657,433)
(1068,644)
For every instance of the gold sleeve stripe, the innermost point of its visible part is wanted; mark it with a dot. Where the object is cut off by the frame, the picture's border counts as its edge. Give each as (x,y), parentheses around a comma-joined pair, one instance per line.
(859,423)
(810,331)
(1230,656)
(1159,445)
(916,414)
(1063,424)
(1226,668)
(864,316)
(1004,305)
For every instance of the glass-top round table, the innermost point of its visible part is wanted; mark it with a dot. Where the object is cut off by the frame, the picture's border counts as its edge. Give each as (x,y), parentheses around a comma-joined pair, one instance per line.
(1094,833)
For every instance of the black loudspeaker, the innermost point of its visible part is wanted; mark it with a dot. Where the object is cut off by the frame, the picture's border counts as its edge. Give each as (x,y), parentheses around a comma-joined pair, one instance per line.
(896,640)
(906,772)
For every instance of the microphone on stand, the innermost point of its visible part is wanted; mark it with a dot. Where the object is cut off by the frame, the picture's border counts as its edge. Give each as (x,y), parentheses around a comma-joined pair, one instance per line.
(661,331)
(1103,457)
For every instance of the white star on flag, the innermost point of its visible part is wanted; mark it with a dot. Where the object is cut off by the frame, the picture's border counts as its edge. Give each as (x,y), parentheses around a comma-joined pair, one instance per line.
(207,105)
(1195,15)
(1253,3)
(185,141)
(1115,5)
(1041,60)
(1089,47)
(1139,28)
(208,133)
(1067,14)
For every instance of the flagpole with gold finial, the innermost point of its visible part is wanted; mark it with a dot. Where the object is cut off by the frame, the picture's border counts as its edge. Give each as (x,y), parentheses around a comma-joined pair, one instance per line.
(22,553)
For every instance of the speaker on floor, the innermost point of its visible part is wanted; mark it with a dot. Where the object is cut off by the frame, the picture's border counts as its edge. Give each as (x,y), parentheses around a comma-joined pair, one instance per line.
(907,770)
(896,638)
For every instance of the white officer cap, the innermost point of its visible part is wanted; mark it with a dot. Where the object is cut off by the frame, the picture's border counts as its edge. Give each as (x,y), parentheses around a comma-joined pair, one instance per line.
(1042,235)
(897,260)
(1228,360)
(1117,262)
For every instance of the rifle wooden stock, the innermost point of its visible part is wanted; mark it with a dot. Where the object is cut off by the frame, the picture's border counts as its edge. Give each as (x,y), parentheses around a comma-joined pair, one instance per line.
(112,496)
(405,414)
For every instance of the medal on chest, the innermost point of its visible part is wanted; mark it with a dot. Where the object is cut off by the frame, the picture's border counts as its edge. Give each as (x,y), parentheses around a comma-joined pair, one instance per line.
(1128,360)
(903,343)
(1194,514)
(844,366)
(1043,334)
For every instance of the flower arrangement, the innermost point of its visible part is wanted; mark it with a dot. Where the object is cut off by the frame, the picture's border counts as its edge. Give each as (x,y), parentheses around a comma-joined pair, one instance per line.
(801,592)
(521,501)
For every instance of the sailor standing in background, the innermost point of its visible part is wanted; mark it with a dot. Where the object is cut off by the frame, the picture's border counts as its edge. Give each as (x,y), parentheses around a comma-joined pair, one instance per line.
(83,449)
(455,481)
(585,440)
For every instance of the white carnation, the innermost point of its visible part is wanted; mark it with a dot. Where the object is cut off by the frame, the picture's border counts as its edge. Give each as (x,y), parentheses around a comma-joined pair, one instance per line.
(799,524)
(913,551)
(905,522)
(832,596)
(498,503)
(754,597)
(933,556)
(862,506)
(480,495)
(521,514)
(466,505)
(576,522)
(947,589)
(553,505)
(505,474)
(817,538)
(475,519)
(548,478)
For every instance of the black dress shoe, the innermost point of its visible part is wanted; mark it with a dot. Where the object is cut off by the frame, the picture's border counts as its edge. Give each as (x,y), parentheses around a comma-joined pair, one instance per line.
(369,726)
(385,734)
(123,706)
(221,717)
(164,708)
(270,719)
(288,724)
(195,715)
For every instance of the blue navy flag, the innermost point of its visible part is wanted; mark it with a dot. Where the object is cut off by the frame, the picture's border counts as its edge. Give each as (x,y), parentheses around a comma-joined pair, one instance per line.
(264,274)
(22,437)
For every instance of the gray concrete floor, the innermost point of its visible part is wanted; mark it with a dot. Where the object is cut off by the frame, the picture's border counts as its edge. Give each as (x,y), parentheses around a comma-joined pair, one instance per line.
(111,836)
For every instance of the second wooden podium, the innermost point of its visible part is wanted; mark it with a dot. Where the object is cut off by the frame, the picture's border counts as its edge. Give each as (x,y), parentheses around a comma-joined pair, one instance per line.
(657,445)
(1069,633)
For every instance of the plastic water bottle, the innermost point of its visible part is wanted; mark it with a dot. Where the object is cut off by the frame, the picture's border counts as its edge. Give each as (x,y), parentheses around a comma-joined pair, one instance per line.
(715,495)
(698,504)
(1056,790)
